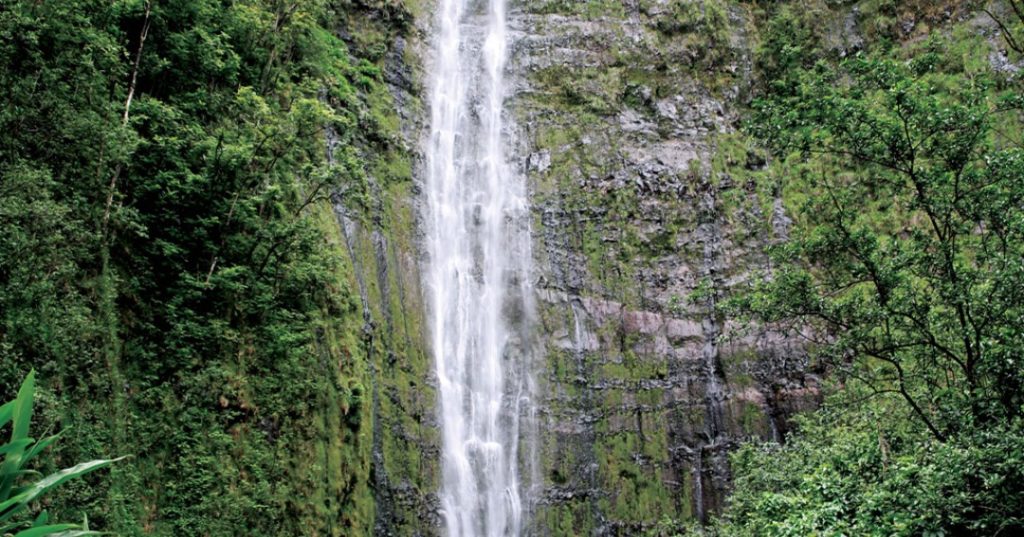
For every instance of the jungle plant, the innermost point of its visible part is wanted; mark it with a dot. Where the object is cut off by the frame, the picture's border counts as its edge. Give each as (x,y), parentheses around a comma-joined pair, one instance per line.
(18,489)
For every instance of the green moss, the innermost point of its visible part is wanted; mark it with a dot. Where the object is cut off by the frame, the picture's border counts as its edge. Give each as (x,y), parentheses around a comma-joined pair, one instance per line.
(588,9)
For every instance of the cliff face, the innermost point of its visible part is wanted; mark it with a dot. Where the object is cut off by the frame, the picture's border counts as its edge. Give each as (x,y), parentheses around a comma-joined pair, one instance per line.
(173,270)
(627,116)
(380,242)
(646,215)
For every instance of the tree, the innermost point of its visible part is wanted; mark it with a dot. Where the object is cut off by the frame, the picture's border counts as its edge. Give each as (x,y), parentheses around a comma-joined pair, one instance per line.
(904,272)
(906,264)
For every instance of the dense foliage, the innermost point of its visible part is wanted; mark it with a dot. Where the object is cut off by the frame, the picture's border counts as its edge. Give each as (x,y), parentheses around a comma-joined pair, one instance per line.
(903,168)
(164,185)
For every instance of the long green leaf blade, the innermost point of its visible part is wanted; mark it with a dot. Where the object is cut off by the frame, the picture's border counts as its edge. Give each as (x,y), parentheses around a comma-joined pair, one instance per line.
(23,407)
(21,414)
(39,487)
(13,505)
(42,531)
(6,411)
(15,446)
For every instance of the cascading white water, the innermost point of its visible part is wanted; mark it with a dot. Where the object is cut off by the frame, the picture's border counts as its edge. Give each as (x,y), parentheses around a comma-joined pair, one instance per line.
(477,244)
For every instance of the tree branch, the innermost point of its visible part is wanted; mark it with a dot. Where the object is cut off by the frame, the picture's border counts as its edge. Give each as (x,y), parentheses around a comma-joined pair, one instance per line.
(127,107)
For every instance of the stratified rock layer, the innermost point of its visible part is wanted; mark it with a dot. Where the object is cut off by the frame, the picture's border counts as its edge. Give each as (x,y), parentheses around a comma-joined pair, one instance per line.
(626,117)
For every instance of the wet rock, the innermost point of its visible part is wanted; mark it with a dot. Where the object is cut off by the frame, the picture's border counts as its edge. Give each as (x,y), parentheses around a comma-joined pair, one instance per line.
(540,161)
(618,125)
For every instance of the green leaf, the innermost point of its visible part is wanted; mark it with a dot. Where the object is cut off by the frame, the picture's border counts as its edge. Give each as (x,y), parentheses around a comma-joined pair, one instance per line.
(6,411)
(42,531)
(39,487)
(21,414)
(16,446)
(23,407)
(15,504)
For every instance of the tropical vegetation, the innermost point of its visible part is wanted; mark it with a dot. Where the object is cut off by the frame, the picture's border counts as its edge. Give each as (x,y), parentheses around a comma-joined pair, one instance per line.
(904,168)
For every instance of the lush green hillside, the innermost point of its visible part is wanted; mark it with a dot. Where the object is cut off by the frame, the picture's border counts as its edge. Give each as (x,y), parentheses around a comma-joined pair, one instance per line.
(171,264)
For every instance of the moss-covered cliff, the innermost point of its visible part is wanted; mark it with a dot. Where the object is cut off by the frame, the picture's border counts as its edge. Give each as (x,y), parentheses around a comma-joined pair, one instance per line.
(652,204)
(208,258)
(628,115)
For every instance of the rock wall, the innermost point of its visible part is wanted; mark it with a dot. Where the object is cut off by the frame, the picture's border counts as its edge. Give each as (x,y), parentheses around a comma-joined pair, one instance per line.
(647,215)
(625,119)
(379,237)
(626,115)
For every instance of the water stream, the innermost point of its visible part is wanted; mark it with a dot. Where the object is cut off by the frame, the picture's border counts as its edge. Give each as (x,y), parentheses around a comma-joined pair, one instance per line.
(476,220)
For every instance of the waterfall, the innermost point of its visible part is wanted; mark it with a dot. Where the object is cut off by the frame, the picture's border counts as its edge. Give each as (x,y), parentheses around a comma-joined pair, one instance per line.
(476,219)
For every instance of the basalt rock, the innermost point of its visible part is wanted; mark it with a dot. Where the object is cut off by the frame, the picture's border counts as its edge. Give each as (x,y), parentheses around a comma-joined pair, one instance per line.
(621,128)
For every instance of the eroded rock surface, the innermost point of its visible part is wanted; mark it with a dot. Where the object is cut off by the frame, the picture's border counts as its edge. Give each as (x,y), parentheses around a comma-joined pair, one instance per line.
(626,116)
